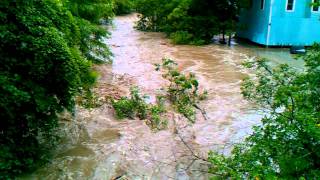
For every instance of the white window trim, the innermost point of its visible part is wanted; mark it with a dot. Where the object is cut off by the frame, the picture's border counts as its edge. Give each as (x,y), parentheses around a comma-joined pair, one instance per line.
(293,7)
(313,10)
(264,4)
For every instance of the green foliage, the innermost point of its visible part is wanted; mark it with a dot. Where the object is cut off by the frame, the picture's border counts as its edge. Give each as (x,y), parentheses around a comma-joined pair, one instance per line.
(124,6)
(89,99)
(315,3)
(132,106)
(183,89)
(286,145)
(44,50)
(183,37)
(155,114)
(135,106)
(182,93)
(139,103)
(124,108)
(189,21)
(88,16)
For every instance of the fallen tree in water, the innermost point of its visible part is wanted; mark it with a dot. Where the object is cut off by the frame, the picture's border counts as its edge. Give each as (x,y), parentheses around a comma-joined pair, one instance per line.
(182,93)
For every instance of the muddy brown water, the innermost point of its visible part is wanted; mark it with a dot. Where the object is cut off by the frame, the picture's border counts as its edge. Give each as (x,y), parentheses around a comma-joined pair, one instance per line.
(100,147)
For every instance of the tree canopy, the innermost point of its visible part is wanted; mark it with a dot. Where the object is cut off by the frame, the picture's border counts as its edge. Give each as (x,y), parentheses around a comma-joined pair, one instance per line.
(47,48)
(190,21)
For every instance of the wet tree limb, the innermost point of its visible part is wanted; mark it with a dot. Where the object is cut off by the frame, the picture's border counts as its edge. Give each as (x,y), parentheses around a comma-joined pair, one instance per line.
(203,112)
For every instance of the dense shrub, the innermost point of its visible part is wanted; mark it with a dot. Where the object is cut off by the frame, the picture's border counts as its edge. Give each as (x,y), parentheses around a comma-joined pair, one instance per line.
(123,6)
(135,106)
(44,50)
(124,108)
(198,19)
(129,107)
(181,37)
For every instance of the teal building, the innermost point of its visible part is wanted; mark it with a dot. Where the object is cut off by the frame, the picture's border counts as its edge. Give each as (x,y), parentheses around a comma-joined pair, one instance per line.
(281,22)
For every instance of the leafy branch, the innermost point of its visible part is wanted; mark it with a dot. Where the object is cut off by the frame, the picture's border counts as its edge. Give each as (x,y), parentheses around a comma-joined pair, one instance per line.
(183,90)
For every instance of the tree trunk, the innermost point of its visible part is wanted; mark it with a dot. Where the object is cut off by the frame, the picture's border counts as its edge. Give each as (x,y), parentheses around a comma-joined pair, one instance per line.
(223,41)
(223,35)
(229,40)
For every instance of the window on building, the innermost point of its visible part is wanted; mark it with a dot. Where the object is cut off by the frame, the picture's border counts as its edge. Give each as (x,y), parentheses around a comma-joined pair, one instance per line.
(290,5)
(315,8)
(261,4)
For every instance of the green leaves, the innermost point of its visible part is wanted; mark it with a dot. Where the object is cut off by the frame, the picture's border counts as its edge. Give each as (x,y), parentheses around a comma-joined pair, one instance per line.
(189,21)
(182,93)
(135,106)
(131,107)
(44,50)
(124,6)
(124,108)
(183,89)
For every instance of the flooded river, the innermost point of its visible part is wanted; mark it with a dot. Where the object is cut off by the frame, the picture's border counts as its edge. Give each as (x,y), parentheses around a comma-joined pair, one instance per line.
(101,147)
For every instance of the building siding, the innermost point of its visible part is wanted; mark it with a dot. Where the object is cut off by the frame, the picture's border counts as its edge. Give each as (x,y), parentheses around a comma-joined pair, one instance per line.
(300,27)
(253,21)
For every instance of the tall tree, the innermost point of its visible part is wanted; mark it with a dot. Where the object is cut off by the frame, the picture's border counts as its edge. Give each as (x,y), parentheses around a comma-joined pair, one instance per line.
(45,50)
